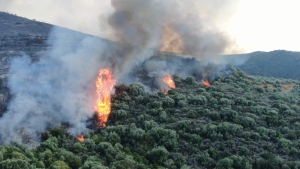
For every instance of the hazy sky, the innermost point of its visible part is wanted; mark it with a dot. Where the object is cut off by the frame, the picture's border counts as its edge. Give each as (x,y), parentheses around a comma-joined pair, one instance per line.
(257,25)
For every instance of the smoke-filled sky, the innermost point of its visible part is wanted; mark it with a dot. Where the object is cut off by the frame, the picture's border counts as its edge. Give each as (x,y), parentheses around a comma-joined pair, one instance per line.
(262,25)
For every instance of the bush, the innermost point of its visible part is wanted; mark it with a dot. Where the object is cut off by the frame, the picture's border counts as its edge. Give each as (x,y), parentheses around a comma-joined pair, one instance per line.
(225,163)
(244,151)
(284,143)
(181,103)
(59,164)
(168,102)
(248,122)
(224,101)
(197,100)
(158,155)
(14,164)
(113,138)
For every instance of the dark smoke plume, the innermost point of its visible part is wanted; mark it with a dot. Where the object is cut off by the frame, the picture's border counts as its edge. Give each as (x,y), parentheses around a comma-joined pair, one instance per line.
(191,28)
(60,87)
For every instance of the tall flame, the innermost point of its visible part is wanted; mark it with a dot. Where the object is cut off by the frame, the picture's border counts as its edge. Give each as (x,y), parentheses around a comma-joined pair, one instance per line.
(169,81)
(80,138)
(105,83)
(206,83)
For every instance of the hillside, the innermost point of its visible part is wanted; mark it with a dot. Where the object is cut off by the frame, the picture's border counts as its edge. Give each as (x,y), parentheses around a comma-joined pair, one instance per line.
(279,63)
(241,121)
(237,122)
(19,35)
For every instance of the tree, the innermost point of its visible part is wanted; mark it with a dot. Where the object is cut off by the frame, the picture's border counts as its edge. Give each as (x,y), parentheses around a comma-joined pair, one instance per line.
(59,165)
(158,155)
(248,122)
(168,102)
(14,164)
(225,163)
(93,163)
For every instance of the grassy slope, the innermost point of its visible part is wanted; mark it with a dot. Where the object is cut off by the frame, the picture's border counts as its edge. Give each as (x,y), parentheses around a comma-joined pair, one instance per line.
(238,122)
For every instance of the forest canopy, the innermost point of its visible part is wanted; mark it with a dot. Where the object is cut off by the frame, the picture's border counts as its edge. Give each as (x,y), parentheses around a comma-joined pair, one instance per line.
(240,121)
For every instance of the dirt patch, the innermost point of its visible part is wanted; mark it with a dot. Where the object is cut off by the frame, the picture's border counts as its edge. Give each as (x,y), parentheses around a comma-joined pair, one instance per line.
(270,86)
(250,80)
(287,88)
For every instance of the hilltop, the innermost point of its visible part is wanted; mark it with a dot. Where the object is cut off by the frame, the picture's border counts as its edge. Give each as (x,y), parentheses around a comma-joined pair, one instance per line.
(278,63)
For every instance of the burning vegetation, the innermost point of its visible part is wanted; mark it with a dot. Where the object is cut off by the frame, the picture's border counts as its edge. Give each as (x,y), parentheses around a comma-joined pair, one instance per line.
(104,84)
(139,37)
(206,83)
(80,138)
(169,81)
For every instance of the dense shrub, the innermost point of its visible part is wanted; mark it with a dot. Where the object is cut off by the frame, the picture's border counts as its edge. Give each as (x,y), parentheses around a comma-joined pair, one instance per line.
(228,125)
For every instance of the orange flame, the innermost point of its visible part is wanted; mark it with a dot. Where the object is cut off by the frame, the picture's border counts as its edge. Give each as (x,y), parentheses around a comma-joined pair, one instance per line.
(105,83)
(206,83)
(80,138)
(169,81)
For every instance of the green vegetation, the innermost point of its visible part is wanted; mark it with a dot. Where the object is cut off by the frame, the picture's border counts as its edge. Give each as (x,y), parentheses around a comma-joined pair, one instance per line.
(238,122)
(278,63)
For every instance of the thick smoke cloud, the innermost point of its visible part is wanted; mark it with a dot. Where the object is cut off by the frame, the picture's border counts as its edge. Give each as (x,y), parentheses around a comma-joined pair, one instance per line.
(192,28)
(60,86)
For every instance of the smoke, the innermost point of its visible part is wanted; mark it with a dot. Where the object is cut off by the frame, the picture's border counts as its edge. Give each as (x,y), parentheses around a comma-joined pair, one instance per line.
(192,28)
(60,86)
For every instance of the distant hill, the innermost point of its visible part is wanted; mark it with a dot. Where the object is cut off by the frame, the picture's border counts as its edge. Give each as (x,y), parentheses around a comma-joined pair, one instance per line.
(278,63)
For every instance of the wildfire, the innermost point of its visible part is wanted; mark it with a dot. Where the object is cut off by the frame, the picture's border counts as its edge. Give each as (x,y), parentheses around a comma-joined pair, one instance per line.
(80,138)
(169,81)
(206,83)
(105,83)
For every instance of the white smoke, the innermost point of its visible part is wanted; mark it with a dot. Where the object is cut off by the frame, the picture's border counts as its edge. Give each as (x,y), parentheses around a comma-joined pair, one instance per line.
(60,86)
